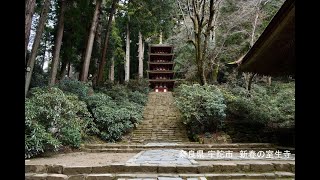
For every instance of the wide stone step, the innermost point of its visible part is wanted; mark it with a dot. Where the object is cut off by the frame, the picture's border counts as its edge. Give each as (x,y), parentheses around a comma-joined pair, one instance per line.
(226,167)
(164,138)
(113,150)
(159,131)
(162,176)
(158,140)
(136,150)
(160,134)
(184,145)
(152,129)
(156,128)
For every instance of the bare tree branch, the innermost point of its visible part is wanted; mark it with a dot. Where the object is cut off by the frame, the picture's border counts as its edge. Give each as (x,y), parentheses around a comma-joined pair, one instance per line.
(184,19)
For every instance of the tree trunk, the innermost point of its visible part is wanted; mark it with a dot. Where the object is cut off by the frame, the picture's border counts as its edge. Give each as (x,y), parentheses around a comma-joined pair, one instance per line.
(127,63)
(44,51)
(140,56)
(207,36)
(120,73)
(69,70)
(83,53)
(36,43)
(254,29)
(269,81)
(96,60)
(30,6)
(254,25)
(111,72)
(57,45)
(87,57)
(213,33)
(104,51)
(215,73)
(63,70)
(198,18)
(251,76)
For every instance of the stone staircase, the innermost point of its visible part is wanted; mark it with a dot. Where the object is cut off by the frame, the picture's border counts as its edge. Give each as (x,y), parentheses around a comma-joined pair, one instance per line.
(218,170)
(161,121)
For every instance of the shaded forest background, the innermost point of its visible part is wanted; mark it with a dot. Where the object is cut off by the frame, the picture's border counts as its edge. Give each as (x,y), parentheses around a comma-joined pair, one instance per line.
(86,61)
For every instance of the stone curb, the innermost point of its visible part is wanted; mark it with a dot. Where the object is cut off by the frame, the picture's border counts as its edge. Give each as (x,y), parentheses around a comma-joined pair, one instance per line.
(226,167)
(181,146)
(208,176)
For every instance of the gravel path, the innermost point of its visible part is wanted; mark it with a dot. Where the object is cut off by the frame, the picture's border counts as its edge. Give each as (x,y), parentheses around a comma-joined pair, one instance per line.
(83,159)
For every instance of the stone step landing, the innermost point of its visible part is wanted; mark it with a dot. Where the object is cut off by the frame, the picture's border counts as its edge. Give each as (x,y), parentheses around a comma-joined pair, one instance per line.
(213,168)
(135,148)
(163,176)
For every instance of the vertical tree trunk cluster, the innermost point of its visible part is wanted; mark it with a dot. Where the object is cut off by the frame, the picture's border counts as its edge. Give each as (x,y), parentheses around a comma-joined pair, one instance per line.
(57,44)
(202,26)
(36,43)
(88,52)
(140,55)
(59,69)
(127,60)
(111,72)
(29,6)
(106,42)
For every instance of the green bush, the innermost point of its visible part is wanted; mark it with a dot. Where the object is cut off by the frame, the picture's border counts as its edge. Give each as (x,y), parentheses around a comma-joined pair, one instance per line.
(99,99)
(113,117)
(283,111)
(202,107)
(38,78)
(138,97)
(75,87)
(70,134)
(112,122)
(37,139)
(134,110)
(117,93)
(140,85)
(274,104)
(63,116)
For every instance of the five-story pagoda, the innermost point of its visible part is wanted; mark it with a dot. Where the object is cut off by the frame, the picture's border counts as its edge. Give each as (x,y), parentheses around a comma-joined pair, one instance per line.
(160,67)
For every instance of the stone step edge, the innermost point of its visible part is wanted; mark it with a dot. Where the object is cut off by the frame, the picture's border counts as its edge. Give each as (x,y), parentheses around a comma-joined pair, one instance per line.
(209,176)
(239,167)
(227,145)
(183,148)
(136,150)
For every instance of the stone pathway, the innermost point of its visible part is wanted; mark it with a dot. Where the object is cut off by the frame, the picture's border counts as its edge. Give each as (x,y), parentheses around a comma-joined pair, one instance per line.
(161,156)
(161,144)
(166,178)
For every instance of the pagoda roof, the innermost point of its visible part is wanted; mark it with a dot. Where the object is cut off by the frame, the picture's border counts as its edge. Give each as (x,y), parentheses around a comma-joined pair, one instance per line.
(160,45)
